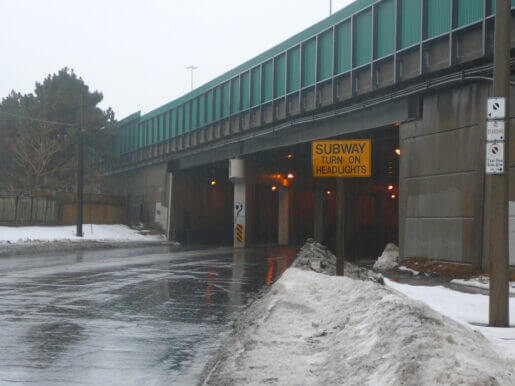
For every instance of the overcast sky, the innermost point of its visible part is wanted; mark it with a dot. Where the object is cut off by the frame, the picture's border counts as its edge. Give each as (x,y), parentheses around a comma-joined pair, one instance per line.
(136,52)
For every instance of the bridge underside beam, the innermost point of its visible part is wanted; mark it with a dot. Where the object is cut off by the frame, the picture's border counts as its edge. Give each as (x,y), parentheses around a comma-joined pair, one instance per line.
(378,116)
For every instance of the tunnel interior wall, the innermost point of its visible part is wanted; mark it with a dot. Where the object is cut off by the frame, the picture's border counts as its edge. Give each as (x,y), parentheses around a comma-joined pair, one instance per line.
(202,213)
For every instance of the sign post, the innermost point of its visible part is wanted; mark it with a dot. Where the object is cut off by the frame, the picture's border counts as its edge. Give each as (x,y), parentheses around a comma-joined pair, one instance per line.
(341,159)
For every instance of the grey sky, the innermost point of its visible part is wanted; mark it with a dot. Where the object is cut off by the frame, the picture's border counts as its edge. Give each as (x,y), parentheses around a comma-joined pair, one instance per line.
(136,52)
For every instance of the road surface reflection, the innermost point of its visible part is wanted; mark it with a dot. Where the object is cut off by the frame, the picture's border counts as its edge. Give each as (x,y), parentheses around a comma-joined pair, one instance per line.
(124,316)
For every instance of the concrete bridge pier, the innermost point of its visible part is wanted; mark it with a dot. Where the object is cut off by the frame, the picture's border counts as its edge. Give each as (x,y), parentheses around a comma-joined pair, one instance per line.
(240,223)
(283,236)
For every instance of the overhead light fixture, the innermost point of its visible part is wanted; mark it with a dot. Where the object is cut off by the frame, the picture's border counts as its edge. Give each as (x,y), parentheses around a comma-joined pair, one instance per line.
(398,151)
(289,156)
(390,187)
(328,192)
(213,182)
(291,176)
(393,196)
(274,188)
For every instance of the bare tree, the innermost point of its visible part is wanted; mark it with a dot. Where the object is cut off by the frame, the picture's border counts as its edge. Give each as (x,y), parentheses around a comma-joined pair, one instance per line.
(38,157)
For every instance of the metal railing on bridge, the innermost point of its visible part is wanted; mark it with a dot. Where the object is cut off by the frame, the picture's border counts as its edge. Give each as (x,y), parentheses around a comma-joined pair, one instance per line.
(367,46)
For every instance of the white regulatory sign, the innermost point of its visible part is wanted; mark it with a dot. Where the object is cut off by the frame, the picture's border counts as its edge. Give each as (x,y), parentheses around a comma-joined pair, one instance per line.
(495,130)
(239,209)
(495,158)
(496,108)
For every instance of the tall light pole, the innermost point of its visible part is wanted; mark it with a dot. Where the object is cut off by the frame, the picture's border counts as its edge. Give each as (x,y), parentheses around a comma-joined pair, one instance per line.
(330,7)
(191,68)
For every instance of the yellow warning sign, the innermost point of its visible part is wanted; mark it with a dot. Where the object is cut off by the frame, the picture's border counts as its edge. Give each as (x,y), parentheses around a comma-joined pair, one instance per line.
(239,233)
(348,158)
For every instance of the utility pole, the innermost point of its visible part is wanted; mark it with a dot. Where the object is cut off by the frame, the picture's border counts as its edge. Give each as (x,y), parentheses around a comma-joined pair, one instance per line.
(80,169)
(330,7)
(496,195)
(191,68)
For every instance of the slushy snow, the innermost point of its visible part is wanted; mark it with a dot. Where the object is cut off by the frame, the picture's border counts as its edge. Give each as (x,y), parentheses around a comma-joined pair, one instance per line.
(33,234)
(314,329)
(388,259)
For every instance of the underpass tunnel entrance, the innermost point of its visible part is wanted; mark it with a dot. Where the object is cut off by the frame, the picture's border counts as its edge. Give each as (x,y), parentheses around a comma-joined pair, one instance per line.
(290,205)
(202,205)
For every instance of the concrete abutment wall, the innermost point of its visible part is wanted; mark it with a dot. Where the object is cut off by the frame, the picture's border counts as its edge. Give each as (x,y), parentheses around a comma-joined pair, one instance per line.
(442,177)
(147,192)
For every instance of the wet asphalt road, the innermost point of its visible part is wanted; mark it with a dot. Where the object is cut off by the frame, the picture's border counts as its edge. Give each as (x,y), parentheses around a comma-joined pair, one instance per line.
(139,316)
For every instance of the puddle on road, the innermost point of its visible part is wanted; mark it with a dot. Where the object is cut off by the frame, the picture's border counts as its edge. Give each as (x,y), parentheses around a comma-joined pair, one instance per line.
(131,317)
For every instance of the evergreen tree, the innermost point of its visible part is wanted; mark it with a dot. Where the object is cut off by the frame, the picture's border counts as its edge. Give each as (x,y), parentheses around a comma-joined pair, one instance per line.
(40,132)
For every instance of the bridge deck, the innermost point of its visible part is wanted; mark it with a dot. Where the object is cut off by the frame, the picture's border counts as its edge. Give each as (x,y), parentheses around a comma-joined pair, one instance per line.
(368,45)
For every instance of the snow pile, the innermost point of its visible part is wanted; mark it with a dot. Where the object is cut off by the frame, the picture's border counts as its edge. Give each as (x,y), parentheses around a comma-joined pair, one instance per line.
(316,257)
(469,309)
(388,260)
(482,282)
(34,234)
(313,329)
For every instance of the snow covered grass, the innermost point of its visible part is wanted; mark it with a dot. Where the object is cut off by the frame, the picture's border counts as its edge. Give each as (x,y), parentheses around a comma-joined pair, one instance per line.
(34,234)
(313,329)
(467,309)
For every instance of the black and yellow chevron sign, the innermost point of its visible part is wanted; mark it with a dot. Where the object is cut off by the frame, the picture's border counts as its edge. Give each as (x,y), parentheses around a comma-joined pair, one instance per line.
(239,233)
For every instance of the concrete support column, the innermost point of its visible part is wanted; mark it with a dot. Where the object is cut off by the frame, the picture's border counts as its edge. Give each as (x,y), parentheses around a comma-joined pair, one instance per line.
(170,229)
(284,217)
(319,215)
(237,176)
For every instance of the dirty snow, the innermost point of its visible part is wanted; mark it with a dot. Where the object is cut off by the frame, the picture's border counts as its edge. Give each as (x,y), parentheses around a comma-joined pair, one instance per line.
(314,329)
(482,282)
(316,257)
(471,310)
(388,259)
(33,234)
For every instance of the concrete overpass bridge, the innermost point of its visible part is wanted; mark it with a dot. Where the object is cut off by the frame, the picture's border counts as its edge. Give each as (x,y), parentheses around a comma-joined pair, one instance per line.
(410,75)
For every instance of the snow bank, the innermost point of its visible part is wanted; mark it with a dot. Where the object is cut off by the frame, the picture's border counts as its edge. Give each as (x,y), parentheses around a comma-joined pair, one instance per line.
(469,309)
(388,260)
(33,234)
(313,329)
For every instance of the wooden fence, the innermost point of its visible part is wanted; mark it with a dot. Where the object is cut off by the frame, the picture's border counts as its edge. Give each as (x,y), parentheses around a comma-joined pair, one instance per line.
(60,209)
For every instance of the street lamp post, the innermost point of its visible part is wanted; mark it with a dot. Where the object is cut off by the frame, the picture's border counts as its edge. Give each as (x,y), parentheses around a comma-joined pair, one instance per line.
(191,68)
